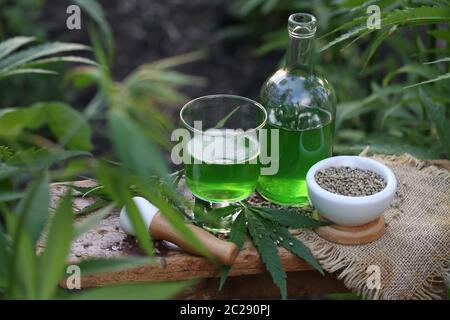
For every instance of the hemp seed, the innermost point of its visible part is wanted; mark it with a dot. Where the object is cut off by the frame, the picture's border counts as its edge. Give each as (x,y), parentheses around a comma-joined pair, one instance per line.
(352,182)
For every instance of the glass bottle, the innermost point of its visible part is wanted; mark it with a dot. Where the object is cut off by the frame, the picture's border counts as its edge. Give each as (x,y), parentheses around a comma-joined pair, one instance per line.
(302,106)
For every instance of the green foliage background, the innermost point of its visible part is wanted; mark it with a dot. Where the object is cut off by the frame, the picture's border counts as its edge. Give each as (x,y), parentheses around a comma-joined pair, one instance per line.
(375,72)
(50,141)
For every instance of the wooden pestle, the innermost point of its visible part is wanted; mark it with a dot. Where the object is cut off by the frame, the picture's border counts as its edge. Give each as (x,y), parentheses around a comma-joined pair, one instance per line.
(161,229)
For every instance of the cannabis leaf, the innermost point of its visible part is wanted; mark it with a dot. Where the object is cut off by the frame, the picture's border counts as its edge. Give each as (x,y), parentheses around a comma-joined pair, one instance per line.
(269,228)
(214,217)
(267,250)
(95,191)
(93,220)
(288,218)
(98,204)
(174,178)
(284,238)
(237,235)
(400,17)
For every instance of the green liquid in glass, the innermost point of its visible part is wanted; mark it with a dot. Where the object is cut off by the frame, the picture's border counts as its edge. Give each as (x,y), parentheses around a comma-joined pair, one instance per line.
(298,150)
(227,177)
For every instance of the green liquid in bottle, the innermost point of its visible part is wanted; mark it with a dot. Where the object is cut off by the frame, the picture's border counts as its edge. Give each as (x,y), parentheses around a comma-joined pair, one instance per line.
(225,176)
(301,104)
(298,150)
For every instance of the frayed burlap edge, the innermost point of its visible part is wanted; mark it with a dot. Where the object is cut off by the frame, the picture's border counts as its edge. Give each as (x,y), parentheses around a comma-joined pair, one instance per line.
(353,273)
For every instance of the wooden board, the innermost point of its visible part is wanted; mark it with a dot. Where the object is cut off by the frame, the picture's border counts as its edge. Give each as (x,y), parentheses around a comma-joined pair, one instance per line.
(107,240)
(300,284)
(247,278)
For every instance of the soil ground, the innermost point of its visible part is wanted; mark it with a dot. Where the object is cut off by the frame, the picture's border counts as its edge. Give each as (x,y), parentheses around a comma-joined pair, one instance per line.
(150,30)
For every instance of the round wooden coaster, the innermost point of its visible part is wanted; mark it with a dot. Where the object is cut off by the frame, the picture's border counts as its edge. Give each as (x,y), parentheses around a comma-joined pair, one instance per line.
(353,235)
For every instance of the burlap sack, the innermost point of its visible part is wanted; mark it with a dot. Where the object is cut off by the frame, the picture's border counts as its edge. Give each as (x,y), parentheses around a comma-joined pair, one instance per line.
(414,254)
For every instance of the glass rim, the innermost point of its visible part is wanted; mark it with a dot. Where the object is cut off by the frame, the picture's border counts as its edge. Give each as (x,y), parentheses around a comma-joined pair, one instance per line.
(231,96)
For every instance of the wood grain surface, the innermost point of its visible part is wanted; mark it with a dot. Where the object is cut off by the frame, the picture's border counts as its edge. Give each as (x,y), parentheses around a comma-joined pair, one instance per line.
(248,277)
(107,240)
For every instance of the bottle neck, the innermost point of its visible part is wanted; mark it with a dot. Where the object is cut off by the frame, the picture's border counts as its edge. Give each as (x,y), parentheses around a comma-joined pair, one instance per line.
(300,53)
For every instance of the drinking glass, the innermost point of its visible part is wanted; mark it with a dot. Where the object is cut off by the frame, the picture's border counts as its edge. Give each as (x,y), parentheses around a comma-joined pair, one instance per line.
(221,157)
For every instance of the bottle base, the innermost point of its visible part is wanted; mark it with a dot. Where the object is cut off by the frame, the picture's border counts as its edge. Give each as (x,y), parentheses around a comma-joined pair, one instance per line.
(291,202)
(283,191)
